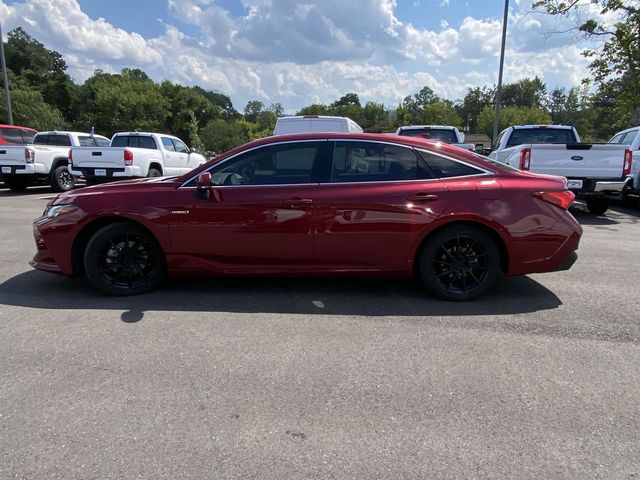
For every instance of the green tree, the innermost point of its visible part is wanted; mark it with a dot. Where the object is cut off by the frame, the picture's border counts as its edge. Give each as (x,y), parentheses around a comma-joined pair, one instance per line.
(441,112)
(221,135)
(514,115)
(187,105)
(525,93)
(315,109)
(252,109)
(476,100)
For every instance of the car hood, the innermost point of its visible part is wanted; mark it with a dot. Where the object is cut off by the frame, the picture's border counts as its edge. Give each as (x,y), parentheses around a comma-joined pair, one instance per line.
(135,186)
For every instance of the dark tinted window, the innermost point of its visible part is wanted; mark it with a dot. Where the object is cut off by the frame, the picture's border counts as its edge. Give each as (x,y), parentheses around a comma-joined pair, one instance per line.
(373,162)
(134,141)
(12,135)
(60,140)
(446,167)
(438,134)
(523,136)
(41,139)
(27,135)
(290,163)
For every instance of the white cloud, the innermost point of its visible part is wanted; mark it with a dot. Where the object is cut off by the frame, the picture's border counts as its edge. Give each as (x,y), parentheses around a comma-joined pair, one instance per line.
(301,52)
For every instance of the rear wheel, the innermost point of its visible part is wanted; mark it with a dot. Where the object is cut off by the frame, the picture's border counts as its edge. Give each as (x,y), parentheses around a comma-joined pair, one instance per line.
(596,205)
(154,172)
(124,259)
(459,263)
(62,180)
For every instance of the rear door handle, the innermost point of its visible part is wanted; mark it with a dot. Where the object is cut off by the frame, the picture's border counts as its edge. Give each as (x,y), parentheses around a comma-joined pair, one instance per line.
(423,197)
(298,202)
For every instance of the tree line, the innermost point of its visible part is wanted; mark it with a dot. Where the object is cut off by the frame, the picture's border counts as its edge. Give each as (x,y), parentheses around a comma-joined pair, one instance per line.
(44,97)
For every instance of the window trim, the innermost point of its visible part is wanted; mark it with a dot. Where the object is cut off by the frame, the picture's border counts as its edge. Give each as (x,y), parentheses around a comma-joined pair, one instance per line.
(484,171)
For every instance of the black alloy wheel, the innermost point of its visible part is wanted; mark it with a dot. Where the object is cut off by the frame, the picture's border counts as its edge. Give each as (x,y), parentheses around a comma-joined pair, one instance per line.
(124,259)
(459,263)
(154,172)
(62,180)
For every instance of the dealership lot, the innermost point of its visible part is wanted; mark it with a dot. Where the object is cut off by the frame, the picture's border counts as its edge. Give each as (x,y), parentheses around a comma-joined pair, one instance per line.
(322,378)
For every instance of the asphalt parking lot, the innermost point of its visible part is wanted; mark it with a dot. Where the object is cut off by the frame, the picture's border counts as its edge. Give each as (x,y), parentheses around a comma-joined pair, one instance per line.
(319,378)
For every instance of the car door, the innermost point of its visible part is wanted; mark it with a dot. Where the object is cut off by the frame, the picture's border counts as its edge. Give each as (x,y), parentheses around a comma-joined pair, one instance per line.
(170,157)
(375,208)
(182,152)
(260,216)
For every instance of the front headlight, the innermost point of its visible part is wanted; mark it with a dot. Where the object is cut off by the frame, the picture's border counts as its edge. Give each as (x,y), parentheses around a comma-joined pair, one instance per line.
(57,210)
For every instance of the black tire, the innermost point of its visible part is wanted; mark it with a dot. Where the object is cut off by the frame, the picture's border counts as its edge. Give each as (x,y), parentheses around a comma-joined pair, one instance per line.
(17,184)
(154,172)
(597,206)
(124,259)
(62,180)
(459,263)
(91,181)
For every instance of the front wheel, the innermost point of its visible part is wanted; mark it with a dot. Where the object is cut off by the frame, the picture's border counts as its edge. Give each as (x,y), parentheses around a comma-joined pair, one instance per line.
(459,263)
(597,206)
(124,259)
(62,180)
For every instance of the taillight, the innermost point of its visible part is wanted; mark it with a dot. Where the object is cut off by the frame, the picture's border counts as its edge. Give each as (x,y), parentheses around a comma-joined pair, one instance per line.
(626,166)
(128,157)
(525,159)
(29,155)
(562,199)
(70,158)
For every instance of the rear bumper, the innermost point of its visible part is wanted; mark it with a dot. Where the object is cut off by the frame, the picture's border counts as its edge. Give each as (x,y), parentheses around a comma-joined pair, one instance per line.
(603,186)
(568,262)
(611,187)
(26,169)
(122,172)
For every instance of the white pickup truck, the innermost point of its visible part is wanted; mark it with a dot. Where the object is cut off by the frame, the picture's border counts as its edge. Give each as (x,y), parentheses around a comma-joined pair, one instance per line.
(595,172)
(440,133)
(134,154)
(45,160)
(631,138)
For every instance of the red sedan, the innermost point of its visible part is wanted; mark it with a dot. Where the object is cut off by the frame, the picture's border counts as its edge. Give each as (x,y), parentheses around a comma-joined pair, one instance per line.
(317,204)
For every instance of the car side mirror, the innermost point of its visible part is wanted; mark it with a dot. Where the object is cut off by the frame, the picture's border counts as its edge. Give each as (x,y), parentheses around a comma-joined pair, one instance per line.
(204,185)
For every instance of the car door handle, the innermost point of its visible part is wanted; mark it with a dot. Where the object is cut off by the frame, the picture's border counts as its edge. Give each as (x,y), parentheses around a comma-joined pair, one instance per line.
(298,202)
(423,197)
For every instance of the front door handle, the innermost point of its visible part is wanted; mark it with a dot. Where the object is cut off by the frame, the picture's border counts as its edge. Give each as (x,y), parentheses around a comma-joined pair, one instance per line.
(298,202)
(423,197)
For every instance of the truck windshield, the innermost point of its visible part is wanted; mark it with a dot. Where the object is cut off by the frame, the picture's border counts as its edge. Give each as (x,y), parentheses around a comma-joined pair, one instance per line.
(438,134)
(522,136)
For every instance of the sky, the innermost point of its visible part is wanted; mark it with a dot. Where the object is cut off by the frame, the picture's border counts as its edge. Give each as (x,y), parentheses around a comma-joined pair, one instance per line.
(299,52)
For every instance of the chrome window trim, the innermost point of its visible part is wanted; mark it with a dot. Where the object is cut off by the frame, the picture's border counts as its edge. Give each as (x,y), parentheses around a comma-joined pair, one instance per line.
(251,150)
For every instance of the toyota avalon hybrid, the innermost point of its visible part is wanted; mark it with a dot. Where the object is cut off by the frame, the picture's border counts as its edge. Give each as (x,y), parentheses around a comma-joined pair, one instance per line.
(317,204)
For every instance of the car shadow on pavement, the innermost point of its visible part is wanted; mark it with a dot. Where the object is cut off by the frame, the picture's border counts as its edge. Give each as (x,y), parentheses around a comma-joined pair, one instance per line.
(617,214)
(316,296)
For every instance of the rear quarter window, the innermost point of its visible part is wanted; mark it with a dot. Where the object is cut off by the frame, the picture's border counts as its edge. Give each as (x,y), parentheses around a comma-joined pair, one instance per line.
(443,167)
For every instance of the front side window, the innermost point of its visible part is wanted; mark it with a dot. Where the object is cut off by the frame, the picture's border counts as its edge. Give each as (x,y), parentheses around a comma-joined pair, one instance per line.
(272,165)
(443,167)
(168,144)
(180,147)
(373,162)
(617,138)
(630,137)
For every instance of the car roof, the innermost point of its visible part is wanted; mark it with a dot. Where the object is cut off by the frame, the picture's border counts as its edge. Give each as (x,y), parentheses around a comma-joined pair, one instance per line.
(409,127)
(538,125)
(66,132)
(6,125)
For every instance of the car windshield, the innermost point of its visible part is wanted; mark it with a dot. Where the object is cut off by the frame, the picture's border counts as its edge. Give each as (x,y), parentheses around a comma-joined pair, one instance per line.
(438,134)
(522,136)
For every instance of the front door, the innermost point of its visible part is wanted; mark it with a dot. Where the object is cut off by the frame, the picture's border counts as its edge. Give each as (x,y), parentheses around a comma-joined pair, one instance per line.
(260,217)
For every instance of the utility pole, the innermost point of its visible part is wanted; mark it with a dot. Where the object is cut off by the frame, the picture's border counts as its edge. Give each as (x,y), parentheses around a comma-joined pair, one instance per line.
(496,119)
(7,98)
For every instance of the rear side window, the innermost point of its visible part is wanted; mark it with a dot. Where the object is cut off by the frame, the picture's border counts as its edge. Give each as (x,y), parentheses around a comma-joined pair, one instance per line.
(27,135)
(373,162)
(437,134)
(12,135)
(522,136)
(134,141)
(168,144)
(443,167)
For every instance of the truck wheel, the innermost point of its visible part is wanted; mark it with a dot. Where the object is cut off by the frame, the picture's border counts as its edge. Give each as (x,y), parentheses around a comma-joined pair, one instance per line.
(17,184)
(124,259)
(597,206)
(154,172)
(62,180)
(459,263)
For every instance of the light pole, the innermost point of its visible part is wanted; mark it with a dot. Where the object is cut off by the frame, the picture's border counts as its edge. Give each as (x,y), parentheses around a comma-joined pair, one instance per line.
(496,119)
(7,99)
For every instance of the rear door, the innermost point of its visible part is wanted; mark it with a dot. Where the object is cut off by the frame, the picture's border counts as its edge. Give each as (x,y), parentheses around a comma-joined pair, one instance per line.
(374,207)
